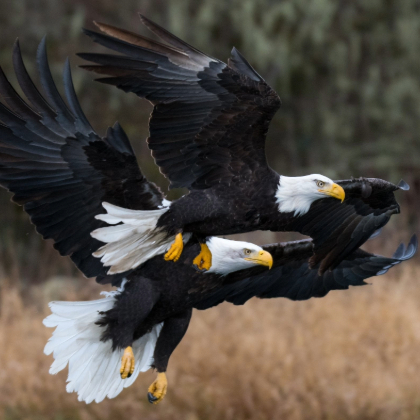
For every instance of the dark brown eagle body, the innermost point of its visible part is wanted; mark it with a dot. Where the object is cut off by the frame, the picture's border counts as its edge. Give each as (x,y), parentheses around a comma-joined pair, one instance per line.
(224,211)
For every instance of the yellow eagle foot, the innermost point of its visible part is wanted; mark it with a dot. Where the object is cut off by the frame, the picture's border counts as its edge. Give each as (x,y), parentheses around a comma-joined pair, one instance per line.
(127,363)
(175,250)
(203,260)
(157,390)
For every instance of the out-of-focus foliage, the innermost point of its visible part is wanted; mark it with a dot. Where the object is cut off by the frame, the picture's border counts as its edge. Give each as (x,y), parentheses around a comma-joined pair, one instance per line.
(347,71)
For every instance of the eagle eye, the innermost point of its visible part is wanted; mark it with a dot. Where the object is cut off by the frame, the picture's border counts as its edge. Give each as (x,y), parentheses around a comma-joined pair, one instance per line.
(247,251)
(320,184)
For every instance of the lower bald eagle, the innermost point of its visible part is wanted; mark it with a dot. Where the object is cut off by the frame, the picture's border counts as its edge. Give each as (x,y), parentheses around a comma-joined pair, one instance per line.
(108,342)
(207,133)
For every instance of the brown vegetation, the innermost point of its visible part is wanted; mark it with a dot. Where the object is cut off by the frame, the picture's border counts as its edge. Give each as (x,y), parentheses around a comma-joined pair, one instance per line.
(351,355)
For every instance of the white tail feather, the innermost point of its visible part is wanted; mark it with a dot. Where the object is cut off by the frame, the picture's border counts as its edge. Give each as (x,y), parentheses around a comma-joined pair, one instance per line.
(133,242)
(94,369)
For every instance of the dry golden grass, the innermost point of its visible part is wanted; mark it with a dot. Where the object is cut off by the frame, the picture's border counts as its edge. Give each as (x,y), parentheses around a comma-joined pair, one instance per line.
(352,355)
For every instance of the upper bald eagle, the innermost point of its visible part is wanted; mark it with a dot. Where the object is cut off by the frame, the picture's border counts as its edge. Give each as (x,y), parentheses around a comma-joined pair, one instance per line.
(207,133)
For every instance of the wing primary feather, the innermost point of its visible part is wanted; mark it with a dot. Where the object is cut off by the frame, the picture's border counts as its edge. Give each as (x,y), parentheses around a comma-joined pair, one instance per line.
(138,39)
(123,47)
(194,54)
(82,122)
(15,102)
(27,85)
(412,247)
(402,185)
(238,63)
(64,116)
(113,60)
(33,95)
(117,138)
(399,252)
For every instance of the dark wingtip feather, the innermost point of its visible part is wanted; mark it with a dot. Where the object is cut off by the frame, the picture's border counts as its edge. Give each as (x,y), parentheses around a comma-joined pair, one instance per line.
(14,101)
(89,67)
(403,254)
(412,247)
(16,49)
(399,252)
(402,185)
(65,117)
(89,33)
(82,122)
(145,21)
(239,63)
(117,137)
(375,234)
(42,46)
(174,41)
(28,87)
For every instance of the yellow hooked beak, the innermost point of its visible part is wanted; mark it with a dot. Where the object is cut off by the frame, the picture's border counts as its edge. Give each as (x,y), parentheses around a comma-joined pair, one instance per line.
(261,258)
(334,191)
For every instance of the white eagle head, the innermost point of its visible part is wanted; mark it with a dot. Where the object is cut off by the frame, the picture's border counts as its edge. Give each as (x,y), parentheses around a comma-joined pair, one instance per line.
(296,194)
(229,256)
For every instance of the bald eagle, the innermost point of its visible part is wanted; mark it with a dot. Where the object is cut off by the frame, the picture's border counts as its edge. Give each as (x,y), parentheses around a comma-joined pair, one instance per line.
(207,133)
(63,174)
(108,342)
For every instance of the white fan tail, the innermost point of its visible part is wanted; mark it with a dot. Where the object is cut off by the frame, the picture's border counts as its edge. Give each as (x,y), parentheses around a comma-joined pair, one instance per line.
(94,368)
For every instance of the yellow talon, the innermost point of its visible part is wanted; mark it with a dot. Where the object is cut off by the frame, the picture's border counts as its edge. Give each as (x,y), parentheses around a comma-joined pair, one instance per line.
(203,259)
(158,389)
(175,250)
(127,363)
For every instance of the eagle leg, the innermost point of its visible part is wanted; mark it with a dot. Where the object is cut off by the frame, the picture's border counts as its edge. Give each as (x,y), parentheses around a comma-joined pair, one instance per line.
(175,250)
(127,363)
(203,260)
(157,390)
(174,328)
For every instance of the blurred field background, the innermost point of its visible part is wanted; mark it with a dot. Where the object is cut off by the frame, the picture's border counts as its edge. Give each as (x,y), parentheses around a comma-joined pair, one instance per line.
(348,73)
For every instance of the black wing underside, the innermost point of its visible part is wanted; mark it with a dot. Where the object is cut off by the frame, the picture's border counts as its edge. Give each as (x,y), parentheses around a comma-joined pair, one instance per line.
(293,278)
(338,229)
(60,170)
(209,121)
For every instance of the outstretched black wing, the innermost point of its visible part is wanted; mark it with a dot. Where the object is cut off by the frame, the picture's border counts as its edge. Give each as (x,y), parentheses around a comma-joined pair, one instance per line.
(59,169)
(209,121)
(292,277)
(338,229)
